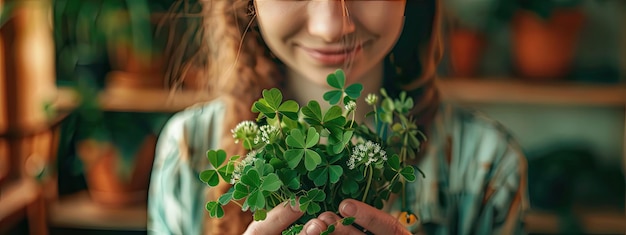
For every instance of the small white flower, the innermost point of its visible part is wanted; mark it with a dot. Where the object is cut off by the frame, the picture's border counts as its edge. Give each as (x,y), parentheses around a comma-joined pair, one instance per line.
(244,130)
(371,99)
(351,106)
(266,134)
(366,153)
(239,167)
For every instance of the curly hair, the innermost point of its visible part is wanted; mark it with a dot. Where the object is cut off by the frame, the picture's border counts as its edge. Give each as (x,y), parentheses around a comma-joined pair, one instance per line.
(242,66)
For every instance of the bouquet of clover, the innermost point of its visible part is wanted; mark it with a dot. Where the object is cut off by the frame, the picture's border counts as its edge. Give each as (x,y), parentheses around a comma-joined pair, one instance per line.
(315,158)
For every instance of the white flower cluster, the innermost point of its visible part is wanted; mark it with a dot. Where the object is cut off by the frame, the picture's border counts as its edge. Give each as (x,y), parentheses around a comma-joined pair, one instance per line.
(371,99)
(266,134)
(245,129)
(351,106)
(366,153)
(242,165)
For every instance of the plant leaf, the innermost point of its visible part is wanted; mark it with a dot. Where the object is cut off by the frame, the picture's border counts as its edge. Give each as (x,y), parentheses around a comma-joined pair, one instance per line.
(216,158)
(349,187)
(271,183)
(241,191)
(312,138)
(260,214)
(311,159)
(215,209)
(263,107)
(348,221)
(313,111)
(394,162)
(333,96)
(319,176)
(226,197)
(273,97)
(210,177)
(336,79)
(289,109)
(354,91)
(256,200)
(408,173)
(333,113)
(293,157)
(295,139)
(334,173)
(316,195)
(251,178)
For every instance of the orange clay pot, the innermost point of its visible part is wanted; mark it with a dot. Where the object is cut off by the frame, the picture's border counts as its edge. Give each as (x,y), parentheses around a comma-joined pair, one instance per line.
(27,73)
(544,49)
(466,47)
(106,186)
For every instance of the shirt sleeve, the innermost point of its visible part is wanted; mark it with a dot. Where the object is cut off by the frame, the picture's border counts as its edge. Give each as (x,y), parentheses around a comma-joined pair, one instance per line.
(505,196)
(176,196)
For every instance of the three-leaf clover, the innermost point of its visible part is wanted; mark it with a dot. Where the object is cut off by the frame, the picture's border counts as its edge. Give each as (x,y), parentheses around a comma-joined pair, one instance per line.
(337,80)
(301,148)
(217,158)
(272,104)
(333,119)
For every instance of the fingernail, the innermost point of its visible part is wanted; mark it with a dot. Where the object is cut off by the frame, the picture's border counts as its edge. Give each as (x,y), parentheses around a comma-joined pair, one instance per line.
(295,207)
(348,209)
(313,229)
(327,219)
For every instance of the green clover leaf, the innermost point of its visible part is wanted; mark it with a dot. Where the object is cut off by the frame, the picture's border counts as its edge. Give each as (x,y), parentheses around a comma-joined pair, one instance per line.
(337,80)
(333,119)
(272,103)
(301,149)
(215,209)
(210,177)
(309,202)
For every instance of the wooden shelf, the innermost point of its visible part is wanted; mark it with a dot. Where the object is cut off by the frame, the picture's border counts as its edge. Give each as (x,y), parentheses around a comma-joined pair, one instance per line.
(15,197)
(502,91)
(593,222)
(137,100)
(79,211)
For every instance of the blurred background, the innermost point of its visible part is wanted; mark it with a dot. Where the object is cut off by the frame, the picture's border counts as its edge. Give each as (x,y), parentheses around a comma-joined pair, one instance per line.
(83,97)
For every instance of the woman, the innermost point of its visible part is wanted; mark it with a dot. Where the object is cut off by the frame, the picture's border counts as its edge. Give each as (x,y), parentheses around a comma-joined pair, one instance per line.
(475,172)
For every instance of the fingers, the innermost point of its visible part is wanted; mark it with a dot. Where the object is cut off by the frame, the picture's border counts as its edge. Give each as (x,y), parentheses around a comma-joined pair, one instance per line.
(370,218)
(277,220)
(331,218)
(314,227)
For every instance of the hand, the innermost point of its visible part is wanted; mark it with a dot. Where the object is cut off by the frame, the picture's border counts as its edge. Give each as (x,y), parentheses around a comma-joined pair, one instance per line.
(368,217)
(279,219)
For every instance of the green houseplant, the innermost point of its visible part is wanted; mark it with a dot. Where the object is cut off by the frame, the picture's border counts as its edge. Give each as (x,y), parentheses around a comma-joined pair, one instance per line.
(318,157)
(110,44)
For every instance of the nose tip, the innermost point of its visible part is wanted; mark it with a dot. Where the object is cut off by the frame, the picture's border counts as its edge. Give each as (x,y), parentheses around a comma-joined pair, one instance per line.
(330,21)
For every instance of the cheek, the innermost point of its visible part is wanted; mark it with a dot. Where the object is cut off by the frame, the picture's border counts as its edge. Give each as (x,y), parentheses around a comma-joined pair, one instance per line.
(275,16)
(384,18)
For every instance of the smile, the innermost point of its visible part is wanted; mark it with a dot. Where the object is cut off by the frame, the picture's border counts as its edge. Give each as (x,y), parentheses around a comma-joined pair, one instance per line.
(332,56)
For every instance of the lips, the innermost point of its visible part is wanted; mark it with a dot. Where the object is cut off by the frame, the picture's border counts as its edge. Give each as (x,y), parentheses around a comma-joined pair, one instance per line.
(331,56)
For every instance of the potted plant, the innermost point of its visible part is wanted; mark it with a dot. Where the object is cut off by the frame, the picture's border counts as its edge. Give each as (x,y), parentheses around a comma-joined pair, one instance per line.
(544,36)
(468,27)
(111,44)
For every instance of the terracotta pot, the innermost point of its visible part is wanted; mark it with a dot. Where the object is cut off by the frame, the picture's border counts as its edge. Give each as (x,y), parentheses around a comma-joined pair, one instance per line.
(121,80)
(102,162)
(544,49)
(27,68)
(466,47)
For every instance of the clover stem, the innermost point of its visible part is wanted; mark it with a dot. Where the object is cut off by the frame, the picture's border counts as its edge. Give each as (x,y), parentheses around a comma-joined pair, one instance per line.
(369,182)
(237,203)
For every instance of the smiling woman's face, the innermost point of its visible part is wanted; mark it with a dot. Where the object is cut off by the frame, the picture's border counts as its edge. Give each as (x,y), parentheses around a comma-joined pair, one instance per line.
(316,37)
